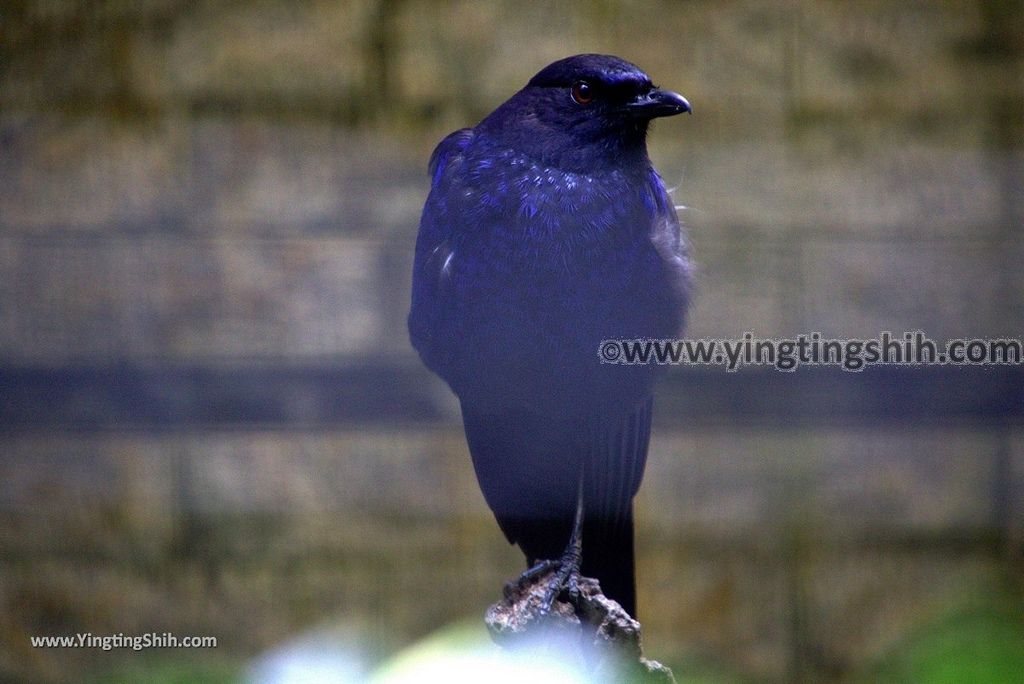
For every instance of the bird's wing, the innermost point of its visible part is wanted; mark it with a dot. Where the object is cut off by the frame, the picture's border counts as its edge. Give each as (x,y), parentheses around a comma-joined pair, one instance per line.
(433,247)
(667,233)
(446,150)
(527,464)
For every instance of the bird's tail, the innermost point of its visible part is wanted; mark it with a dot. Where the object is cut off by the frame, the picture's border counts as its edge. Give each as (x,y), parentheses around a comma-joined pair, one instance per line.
(528,465)
(613,470)
(608,557)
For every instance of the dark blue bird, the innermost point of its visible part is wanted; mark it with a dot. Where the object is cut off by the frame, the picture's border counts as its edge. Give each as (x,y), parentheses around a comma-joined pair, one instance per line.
(546,231)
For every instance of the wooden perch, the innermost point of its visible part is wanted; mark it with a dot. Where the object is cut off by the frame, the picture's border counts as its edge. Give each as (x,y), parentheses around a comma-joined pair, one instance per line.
(592,632)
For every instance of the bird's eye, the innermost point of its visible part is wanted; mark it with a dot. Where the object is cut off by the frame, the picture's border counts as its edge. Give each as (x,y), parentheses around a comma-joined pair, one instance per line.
(582,92)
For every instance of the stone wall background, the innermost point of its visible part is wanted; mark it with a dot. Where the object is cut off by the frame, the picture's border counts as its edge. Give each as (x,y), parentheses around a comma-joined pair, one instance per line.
(235,187)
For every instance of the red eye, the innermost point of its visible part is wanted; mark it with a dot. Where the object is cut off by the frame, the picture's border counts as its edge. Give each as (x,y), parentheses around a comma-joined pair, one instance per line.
(582,92)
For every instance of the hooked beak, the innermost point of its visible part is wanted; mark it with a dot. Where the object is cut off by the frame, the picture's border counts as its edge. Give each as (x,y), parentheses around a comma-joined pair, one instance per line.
(656,102)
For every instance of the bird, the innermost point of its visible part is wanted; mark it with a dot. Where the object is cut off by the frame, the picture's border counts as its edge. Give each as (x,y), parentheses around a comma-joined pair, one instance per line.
(547,230)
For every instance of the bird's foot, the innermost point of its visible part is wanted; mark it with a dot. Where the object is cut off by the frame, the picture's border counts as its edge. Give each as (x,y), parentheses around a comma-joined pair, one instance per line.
(547,580)
(556,576)
(538,570)
(566,578)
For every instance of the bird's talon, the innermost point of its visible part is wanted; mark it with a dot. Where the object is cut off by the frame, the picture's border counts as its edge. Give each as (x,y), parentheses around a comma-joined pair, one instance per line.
(574,587)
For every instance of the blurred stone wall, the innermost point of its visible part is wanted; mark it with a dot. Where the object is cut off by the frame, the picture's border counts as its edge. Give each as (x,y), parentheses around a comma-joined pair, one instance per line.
(238,185)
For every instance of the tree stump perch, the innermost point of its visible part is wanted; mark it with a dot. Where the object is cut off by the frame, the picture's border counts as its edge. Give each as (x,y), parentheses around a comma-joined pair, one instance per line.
(593,633)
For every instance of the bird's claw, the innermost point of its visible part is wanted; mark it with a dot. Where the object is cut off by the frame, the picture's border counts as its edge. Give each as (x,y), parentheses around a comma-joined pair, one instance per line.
(567,578)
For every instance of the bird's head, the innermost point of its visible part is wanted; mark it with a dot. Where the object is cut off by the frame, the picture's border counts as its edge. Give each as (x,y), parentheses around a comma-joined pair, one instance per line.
(584,110)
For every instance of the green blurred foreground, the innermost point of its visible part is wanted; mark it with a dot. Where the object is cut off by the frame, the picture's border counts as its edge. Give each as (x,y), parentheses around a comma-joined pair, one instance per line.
(981,646)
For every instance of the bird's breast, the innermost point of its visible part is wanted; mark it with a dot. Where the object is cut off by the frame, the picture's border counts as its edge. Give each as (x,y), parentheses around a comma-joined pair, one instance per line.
(532,212)
(553,248)
(541,265)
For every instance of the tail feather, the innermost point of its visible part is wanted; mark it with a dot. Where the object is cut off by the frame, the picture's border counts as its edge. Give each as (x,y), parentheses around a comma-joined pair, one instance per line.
(528,466)
(608,556)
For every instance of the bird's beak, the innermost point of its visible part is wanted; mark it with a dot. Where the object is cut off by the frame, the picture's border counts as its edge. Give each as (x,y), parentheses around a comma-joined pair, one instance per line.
(656,102)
